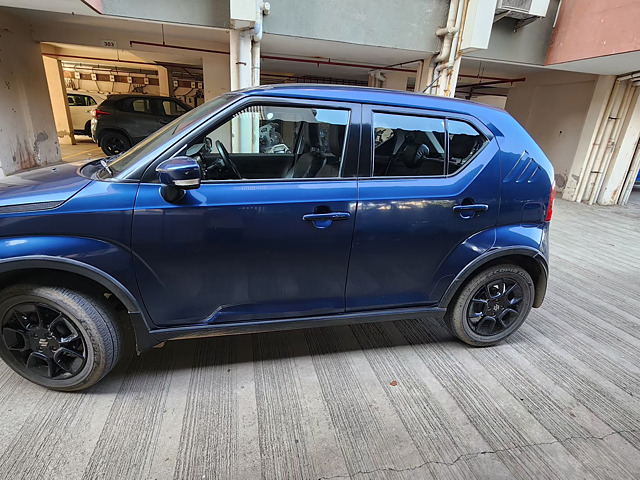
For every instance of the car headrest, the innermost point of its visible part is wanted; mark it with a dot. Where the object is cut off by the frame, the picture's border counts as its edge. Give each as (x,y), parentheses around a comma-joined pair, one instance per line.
(461,145)
(311,134)
(414,154)
(336,139)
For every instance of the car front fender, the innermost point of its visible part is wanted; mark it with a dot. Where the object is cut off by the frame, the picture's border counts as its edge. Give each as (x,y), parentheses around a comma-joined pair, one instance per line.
(106,264)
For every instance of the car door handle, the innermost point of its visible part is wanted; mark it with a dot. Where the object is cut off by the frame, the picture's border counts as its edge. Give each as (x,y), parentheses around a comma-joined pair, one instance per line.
(477,207)
(469,211)
(333,216)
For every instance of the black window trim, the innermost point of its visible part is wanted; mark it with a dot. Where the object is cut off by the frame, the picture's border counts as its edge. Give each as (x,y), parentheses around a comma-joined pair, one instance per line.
(351,148)
(369,109)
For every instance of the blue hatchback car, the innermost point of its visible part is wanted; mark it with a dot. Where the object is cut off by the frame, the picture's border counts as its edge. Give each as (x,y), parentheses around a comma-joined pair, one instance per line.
(275,208)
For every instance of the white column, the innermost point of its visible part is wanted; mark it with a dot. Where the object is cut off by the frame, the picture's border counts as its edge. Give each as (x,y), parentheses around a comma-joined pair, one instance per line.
(59,103)
(396,80)
(216,75)
(588,136)
(612,188)
(424,75)
(163,81)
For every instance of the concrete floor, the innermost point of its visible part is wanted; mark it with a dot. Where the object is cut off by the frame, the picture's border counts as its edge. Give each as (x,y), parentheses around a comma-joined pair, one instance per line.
(83,149)
(403,400)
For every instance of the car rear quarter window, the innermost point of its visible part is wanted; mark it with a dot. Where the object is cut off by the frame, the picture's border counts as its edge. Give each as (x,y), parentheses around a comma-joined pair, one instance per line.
(171,108)
(464,144)
(406,145)
(135,105)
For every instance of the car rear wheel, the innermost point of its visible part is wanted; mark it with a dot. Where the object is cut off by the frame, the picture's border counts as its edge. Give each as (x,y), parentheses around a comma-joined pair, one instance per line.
(113,143)
(492,305)
(56,337)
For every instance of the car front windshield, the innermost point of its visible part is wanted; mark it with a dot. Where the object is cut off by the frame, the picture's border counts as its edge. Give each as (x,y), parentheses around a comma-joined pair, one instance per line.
(159,138)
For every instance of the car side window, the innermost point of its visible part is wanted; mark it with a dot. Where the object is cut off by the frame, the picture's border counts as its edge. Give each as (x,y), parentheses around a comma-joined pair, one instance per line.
(464,143)
(406,145)
(90,101)
(72,100)
(140,105)
(274,142)
(171,108)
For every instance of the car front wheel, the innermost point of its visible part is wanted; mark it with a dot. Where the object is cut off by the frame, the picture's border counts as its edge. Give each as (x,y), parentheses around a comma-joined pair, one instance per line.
(57,337)
(492,305)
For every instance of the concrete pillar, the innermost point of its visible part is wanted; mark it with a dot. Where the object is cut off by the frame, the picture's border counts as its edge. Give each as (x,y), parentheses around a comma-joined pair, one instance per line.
(58,97)
(163,82)
(612,187)
(396,80)
(216,76)
(588,135)
(423,75)
(240,58)
(27,128)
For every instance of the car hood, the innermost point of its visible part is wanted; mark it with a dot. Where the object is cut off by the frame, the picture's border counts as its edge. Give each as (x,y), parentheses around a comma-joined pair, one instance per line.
(50,185)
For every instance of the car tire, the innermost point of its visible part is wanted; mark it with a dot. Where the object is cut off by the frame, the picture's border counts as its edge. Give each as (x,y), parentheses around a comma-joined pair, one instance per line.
(87,129)
(491,306)
(113,143)
(56,337)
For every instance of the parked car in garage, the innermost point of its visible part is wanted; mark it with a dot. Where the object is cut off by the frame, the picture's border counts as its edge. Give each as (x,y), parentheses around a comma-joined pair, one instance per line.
(80,106)
(354,205)
(124,120)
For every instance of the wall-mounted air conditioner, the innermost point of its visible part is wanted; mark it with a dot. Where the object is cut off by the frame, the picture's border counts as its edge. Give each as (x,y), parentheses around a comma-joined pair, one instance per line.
(522,9)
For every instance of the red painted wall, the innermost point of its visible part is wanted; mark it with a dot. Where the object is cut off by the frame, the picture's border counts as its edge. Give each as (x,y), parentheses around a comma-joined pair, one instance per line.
(594,28)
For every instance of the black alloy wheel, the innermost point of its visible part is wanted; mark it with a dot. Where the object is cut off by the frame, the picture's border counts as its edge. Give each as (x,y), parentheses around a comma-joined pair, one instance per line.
(495,306)
(44,341)
(59,337)
(114,143)
(491,305)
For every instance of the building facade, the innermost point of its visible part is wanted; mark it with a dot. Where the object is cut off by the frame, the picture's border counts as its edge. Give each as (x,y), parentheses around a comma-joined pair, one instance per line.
(565,70)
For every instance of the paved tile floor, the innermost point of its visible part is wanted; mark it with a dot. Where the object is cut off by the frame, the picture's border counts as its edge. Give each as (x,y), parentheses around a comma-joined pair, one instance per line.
(403,400)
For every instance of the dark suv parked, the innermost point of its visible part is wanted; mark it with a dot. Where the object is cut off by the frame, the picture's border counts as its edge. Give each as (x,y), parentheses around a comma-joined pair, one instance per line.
(124,120)
(275,208)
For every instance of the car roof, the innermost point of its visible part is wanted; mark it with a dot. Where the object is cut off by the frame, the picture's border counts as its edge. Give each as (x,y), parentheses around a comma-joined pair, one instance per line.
(86,92)
(377,96)
(118,96)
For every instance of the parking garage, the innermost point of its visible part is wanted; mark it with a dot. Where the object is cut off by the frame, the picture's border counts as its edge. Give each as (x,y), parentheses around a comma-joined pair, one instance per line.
(396,400)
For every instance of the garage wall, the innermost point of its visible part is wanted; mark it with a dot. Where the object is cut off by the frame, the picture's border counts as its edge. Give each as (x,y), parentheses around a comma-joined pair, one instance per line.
(405,24)
(527,44)
(553,107)
(27,130)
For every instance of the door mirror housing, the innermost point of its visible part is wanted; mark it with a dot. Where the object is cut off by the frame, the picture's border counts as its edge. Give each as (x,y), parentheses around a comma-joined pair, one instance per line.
(177,175)
(181,172)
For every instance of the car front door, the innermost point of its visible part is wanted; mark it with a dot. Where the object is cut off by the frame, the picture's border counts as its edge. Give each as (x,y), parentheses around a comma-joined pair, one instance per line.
(419,170)
(275,245)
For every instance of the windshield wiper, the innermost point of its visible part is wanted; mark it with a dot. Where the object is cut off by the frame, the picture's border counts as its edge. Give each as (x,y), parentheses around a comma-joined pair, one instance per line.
(106,166)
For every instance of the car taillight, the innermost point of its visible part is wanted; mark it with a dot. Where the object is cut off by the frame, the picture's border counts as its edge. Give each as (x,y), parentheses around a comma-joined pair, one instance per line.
(552,197)
(96,112)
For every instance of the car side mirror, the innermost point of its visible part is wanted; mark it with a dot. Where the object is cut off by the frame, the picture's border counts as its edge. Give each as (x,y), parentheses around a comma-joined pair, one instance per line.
(177,175)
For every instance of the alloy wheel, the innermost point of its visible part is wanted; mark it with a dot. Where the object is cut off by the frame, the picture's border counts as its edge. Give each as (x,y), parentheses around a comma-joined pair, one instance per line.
(495,307)
(44,341)
(114,145)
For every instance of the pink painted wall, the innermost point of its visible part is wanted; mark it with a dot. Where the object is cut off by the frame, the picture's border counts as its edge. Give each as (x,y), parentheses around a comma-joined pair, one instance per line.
(594,28)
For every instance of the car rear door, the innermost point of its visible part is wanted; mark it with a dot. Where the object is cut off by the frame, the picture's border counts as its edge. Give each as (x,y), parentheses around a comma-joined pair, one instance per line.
(168,109)
(420,197)
(137,116)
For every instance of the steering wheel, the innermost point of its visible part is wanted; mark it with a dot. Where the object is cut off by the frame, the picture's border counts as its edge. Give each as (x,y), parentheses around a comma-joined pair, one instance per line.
(224,155)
